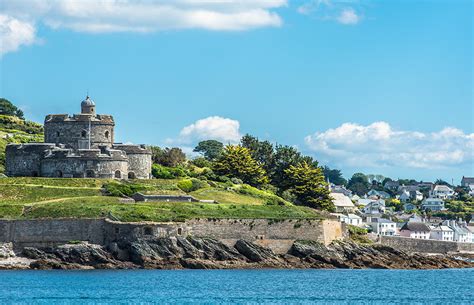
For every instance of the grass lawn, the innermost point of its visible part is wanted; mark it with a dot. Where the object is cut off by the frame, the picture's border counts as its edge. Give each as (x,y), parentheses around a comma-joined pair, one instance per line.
(33,198)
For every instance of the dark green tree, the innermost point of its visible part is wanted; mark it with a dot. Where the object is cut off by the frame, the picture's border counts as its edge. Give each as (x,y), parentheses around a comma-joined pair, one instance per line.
(262,151)
(334,176)
(284,157)
(359,184)
(168,157)
(7,108)
(237,162)
(308,185)
(210,149)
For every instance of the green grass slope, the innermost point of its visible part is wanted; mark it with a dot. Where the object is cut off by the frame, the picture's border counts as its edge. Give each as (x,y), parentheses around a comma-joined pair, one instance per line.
(34,198)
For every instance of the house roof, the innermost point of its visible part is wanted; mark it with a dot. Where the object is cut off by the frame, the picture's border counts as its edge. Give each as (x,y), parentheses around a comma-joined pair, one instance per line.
(443,188)
(384,220)
(341,200)
(467,180)
(442,228)
(415,226)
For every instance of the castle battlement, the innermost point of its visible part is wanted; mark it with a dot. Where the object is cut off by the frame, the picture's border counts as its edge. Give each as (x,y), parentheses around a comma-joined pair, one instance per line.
(98,118)
(133,149)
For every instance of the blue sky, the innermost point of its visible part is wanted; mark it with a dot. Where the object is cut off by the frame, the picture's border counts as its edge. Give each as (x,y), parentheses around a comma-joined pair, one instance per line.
(373,86)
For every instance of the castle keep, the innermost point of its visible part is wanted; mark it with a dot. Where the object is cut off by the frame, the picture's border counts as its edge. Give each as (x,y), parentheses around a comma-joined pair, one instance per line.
(79,146)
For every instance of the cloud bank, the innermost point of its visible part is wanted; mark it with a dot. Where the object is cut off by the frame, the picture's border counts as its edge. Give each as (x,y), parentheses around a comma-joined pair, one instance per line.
(346,12)
(378,145)
(20,17)
(211,128)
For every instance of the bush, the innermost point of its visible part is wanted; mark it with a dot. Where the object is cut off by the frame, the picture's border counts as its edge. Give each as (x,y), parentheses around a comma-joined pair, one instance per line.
(190,185)
(164,172)
(122,189)
(236,181)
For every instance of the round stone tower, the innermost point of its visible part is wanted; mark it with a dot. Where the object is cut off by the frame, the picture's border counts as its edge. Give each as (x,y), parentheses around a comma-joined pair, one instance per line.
(86,130)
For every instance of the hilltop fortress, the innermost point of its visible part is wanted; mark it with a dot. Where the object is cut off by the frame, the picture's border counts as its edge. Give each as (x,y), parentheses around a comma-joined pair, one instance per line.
(79,146)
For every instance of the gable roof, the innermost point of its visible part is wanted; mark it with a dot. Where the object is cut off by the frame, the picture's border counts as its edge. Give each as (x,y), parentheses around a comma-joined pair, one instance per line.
(415,226)
(341,200)
(467,180)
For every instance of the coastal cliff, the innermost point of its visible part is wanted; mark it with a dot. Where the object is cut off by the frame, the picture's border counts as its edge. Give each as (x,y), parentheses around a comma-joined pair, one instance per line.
(205,253)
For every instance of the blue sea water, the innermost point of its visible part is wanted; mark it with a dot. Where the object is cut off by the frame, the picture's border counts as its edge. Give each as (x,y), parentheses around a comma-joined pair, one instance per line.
(238,286)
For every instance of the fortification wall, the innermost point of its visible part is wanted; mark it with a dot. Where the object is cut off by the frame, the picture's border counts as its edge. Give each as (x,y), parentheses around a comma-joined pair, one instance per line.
(74,131)
(25,159)
(139,160)
(276,235)
(425,245)
(44,233)
(84,165)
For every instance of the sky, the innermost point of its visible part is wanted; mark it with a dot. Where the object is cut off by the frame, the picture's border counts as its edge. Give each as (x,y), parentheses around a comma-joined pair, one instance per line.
(380,87)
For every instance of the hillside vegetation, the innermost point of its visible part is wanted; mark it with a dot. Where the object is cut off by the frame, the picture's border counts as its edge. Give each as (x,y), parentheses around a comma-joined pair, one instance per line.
(32,198)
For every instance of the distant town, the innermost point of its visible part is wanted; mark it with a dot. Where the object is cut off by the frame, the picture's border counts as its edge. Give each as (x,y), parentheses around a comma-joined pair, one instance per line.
(420,210)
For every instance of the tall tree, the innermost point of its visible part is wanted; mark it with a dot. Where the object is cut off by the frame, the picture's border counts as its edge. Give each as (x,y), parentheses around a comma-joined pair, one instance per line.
(210,149)
(308,185)
(284,157)
(168,156)
(7,108)
(261,151)
(334,176)
(236,161)
(359,184)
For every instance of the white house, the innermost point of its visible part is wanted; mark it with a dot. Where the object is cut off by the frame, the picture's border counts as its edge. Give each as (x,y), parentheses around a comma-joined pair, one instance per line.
(461,234)
(443,192)
(442,233)
(379,194)
(382,226)
(351,219)
(414,229)
(433,204)
(405,196)
(342,203)
(375,207)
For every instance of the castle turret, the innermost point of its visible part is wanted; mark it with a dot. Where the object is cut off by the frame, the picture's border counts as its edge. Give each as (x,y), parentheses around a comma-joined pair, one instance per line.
(88,106)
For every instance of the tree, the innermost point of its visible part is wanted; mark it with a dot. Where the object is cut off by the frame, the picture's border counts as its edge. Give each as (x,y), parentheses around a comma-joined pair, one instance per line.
(168,156)
(359,184)
(210,149)
(261,151)
(442,182)
(237,162)
(7,108)
(284,157)
(308,185)
(334,176)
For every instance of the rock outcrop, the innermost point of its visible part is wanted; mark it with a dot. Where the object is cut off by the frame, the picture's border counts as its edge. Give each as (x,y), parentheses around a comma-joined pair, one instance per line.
(206,253)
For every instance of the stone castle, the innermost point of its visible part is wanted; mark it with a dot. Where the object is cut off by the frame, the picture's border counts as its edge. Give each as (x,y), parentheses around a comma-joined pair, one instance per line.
(79,146)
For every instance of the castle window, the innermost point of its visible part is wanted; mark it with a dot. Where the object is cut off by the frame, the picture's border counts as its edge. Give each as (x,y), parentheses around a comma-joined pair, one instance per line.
(90,174)
(107,134)
(58,133)
(180,231)
(131,175)
(118,174)
(83,133)
(58,173)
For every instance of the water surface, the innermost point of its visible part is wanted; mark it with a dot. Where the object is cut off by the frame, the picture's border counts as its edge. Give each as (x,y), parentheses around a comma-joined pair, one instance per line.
(239,286)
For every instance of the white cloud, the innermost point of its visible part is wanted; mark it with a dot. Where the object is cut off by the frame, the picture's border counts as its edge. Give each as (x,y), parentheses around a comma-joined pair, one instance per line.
(342,11)
(211,128)
(348,16)
(15,33)
(379,145)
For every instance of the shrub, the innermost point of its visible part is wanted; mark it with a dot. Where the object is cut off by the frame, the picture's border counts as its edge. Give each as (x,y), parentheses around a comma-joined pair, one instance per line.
(122,189)
(164,172)
(193,184)
(236,180)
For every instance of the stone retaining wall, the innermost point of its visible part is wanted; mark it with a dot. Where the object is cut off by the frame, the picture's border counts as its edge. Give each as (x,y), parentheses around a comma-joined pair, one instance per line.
(425,245)
(276,235)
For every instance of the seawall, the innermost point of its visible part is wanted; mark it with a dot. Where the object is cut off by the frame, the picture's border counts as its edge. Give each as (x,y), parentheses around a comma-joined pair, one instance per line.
(425,245)
(278,235)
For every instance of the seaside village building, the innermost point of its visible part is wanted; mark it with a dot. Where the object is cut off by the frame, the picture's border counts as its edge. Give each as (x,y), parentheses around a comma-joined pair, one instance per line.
(79,146)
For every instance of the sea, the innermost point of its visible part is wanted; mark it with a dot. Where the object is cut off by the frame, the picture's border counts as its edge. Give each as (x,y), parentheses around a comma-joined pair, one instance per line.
(449,286)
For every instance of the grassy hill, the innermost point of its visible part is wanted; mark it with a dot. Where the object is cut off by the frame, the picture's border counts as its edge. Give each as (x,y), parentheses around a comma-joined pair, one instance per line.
(32,198)
(16,130)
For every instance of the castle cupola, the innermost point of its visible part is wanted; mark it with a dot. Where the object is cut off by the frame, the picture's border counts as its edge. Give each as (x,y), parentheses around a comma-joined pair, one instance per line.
(88,106)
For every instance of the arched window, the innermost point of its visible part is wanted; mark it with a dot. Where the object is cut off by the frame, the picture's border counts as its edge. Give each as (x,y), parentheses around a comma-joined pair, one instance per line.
(90,174)
(107,134)
(84,133)
(118,174)
(180,231)
(58,174)
(131,175)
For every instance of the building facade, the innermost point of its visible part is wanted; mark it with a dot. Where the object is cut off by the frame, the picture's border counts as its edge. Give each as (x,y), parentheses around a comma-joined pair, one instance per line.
(79,146)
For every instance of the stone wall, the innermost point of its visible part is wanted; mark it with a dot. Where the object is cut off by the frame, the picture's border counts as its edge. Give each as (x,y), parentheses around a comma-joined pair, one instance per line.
(73,131)
(276,235)
(425,245)
(25,159)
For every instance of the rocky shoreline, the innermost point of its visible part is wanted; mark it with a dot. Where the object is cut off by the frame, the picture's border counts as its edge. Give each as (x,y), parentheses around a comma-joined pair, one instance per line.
(205,253)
